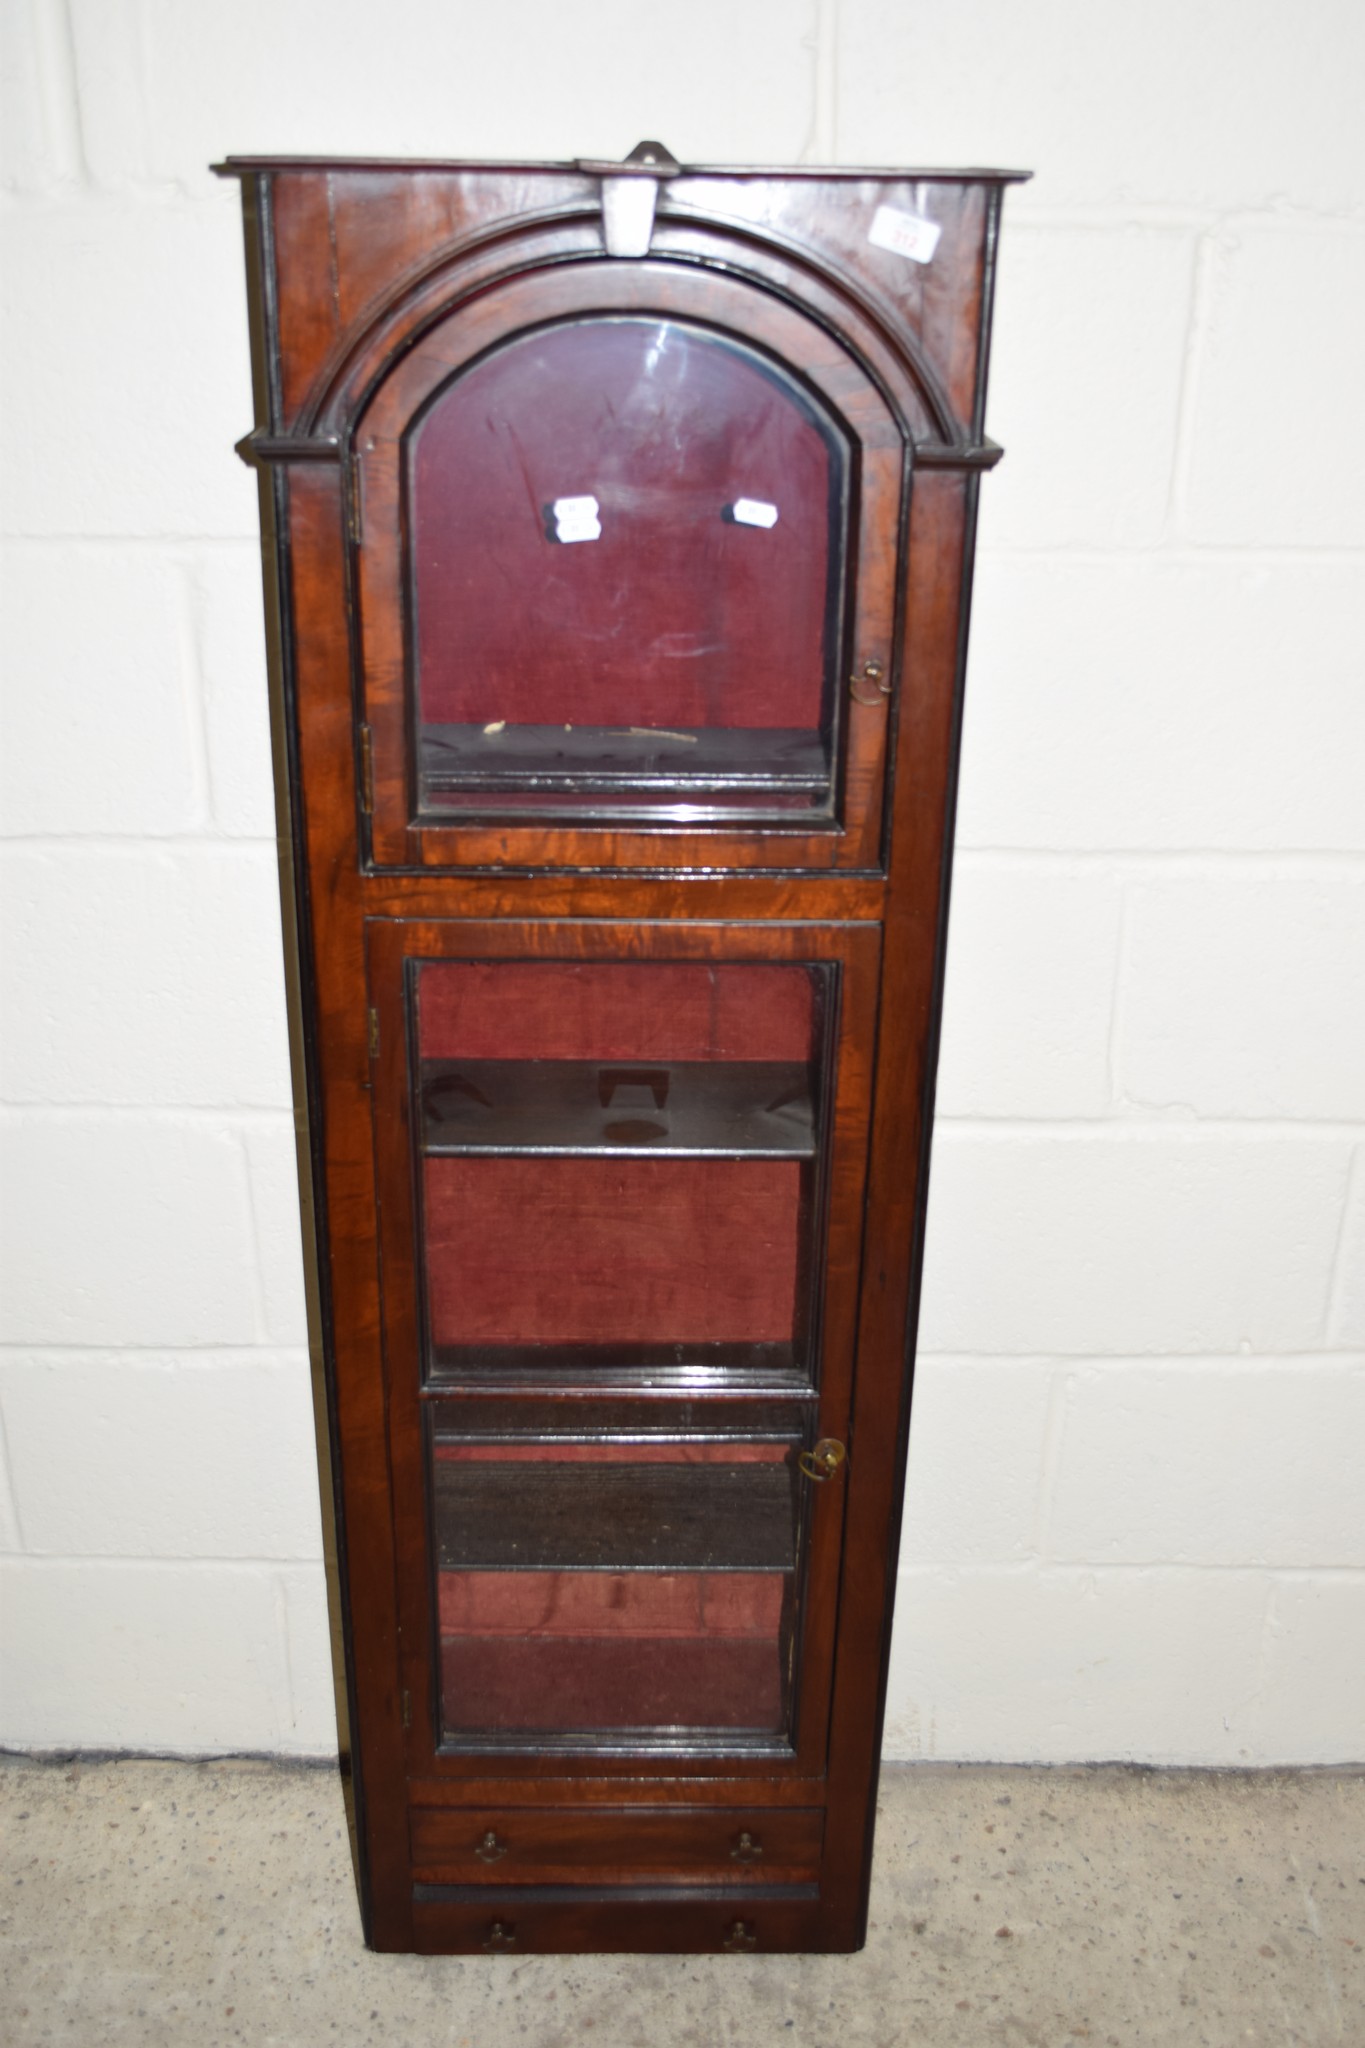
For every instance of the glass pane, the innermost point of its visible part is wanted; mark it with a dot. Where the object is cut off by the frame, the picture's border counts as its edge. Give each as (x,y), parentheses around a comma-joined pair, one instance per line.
(615,1585)
(620,1165)
(625,550)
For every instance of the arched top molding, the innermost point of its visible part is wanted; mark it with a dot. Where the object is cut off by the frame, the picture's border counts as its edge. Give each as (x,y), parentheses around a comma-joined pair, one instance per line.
(691,245)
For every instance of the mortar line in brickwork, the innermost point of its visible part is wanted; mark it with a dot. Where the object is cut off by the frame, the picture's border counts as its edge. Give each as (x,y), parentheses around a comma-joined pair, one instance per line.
(1170,863)
(1336,1286)
(1141,1124)
(1350,1360)
(246,544)
(1347,1574)
(1197,859)
(822,40)
(117,1560)
(1186,553)
(1264,1645)
(191,635)
(1206,254)
(287,1708)
(1117,989)
(224,1116)
(212,838)
(7,1479)
(56,51)
(1031,212)
(1136,1123)
(260,1301)
(206,1353)
(1347,1362)
(1049,1464)
(1108,1568)
(208,1357)
(213,1352)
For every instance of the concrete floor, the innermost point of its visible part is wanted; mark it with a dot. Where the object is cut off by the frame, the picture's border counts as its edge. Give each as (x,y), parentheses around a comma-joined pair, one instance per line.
(163,1903)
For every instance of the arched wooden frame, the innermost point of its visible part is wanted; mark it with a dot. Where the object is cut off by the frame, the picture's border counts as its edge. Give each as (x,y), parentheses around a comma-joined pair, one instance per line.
(727,305)
(487,261)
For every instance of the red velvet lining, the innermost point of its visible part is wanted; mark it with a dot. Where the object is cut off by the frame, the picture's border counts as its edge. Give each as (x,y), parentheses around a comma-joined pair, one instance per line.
(590,1604)
(567,1010)
(568,1683)
(612,1251)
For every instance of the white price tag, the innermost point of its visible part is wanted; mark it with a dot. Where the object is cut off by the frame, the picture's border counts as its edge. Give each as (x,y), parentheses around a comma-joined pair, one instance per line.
(905,234)
(754,512)
(576,519)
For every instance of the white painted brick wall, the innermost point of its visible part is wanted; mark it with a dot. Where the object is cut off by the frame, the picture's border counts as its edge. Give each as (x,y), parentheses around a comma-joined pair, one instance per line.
(1091,428)
(1346,1319)
(1164,700)
(1026,1023)
(1230,1462)
(1132,1528)
(1245,996)
(1152,1239)
(204,1451)
(1275,459)
(151,975)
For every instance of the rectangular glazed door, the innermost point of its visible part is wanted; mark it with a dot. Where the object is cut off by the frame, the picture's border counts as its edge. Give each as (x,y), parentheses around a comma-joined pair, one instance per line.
(621,1175)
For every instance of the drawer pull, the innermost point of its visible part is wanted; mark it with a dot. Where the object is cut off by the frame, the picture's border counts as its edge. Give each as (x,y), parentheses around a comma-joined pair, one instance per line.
(748,1849)
(490,1849)
(501,1936)
(740,1938)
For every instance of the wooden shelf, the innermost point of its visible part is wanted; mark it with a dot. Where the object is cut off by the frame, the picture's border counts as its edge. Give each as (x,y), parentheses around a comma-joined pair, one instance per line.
(526,1515)
(616,760)
(556,1367)
(689,1109)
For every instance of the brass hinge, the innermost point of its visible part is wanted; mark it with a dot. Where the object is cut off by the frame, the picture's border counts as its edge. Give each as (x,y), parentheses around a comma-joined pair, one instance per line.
(366,770)
(354,522)
(374,1033)
(407,1696)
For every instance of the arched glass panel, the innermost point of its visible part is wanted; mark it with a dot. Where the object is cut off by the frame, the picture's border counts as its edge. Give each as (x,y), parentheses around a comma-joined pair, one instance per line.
(625,554)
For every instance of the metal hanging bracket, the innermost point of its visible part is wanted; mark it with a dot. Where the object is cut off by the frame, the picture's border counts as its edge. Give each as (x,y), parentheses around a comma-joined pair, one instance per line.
(630,191)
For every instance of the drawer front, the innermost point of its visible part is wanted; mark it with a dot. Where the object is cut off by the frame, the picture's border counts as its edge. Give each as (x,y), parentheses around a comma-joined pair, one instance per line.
(621,1845)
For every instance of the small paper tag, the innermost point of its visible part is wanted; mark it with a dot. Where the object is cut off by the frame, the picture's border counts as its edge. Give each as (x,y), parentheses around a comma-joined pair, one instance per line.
(754,512)
(576,519)
(905,234)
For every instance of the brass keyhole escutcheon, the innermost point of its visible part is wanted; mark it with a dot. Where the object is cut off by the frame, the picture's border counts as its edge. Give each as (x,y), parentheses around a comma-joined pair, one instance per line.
(748,1849)
(501,1935)
(824,1461)
(490,1849)
(740,1937)
(872,677)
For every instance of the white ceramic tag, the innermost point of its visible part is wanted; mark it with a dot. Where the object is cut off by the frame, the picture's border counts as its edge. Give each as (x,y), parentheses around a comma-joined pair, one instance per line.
(754,512)
(576,519)
(905,234)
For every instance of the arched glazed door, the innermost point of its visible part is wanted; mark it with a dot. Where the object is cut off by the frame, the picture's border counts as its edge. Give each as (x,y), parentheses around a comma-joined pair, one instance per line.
(626,540)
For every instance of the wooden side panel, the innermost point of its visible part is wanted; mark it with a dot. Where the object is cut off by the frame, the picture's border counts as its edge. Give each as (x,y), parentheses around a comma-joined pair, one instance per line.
(911,996)
(335,980)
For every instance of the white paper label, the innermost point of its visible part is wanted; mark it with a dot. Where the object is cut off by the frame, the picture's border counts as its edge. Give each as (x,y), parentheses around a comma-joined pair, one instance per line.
(905,234)
(754,512)
(576,519)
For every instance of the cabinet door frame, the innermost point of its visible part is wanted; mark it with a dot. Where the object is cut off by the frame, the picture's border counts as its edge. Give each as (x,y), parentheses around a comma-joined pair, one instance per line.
(856,950)
(385,658)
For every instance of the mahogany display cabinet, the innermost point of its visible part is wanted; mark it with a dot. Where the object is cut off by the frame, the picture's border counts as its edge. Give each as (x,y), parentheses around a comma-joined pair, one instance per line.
(618,540)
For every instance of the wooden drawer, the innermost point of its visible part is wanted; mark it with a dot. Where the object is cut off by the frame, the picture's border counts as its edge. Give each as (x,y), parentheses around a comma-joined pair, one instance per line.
(616,1845)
